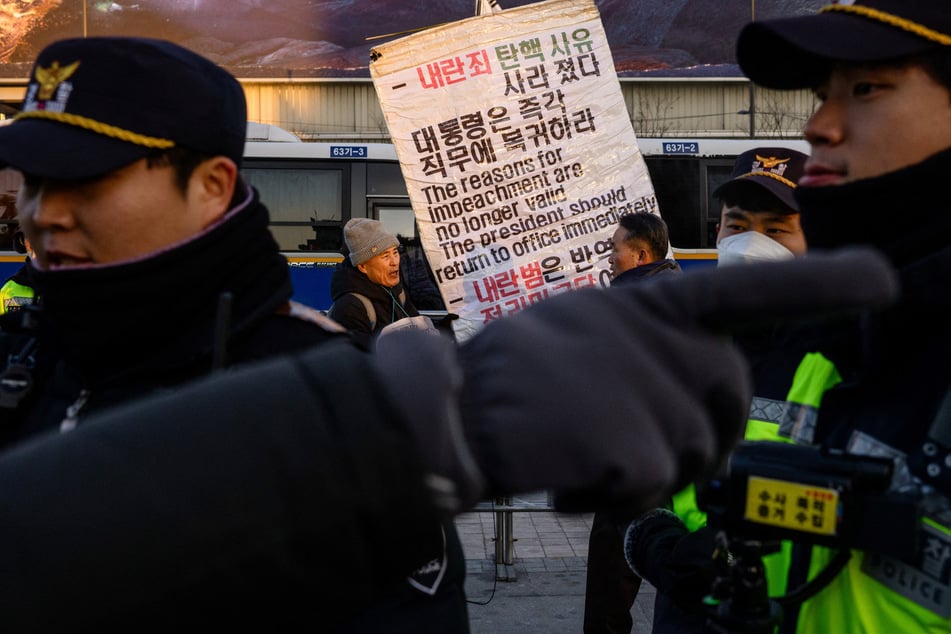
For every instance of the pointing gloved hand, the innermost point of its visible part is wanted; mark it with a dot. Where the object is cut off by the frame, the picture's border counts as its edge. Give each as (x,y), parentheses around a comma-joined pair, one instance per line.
(616,396)
(602,396)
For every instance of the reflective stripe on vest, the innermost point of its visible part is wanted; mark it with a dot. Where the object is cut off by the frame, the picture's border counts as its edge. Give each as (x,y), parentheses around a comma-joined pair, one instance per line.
(872,594)
(684,502)
(14,296)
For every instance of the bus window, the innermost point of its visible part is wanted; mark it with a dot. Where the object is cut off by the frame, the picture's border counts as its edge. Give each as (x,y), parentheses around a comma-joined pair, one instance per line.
(301,198)
(385,179)
(676,183)
(400,221)
(684,186)
(388,200)
(715,174)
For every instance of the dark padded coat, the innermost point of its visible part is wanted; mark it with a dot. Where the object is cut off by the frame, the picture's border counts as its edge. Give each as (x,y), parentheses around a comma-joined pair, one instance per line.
(109,336)
(350,312)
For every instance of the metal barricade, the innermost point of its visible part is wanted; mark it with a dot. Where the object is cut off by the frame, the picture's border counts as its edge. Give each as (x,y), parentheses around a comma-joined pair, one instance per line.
(504,509)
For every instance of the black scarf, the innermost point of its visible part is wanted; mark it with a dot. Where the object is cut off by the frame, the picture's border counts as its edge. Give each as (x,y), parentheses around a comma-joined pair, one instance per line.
(160,311)
(895,362)
(905,214)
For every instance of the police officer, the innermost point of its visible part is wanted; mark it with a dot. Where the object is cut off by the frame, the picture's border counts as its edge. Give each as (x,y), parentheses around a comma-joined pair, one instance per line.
(880,151)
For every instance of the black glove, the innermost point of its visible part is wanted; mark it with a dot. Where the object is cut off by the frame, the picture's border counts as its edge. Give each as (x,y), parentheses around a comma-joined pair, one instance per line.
(659,548)
(616,396)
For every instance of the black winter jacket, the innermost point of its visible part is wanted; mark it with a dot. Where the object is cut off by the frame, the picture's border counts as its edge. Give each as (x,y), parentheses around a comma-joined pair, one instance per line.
(110,335)
(389,304)
(645,271)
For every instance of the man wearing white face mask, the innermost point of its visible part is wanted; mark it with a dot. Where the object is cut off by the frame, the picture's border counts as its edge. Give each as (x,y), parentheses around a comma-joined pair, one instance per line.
(672,547)
(759,222)
(759,218)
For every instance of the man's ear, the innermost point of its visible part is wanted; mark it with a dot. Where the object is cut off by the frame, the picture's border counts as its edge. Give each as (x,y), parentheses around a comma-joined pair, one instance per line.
(211,188)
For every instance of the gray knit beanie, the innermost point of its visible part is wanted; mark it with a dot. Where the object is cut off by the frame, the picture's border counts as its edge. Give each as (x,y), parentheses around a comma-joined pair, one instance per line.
(366,238)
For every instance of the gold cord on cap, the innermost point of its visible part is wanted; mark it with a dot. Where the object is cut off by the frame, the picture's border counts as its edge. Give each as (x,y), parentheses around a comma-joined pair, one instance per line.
(99,128)
(784,181)
(891,20)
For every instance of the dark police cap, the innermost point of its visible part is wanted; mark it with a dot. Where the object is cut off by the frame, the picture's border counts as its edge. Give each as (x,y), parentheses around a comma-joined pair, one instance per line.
(797,52)
(94,105)
(775,169)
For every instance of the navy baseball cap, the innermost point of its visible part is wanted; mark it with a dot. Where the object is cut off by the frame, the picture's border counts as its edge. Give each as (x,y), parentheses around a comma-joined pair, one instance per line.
(775,169)
(798,52)
(94,105)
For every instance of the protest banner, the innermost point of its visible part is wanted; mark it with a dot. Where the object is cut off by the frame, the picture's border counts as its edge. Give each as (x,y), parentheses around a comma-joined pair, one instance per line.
(518,153)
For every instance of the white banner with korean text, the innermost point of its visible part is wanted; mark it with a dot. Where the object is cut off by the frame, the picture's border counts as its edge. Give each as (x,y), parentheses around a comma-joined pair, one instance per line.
(517,150)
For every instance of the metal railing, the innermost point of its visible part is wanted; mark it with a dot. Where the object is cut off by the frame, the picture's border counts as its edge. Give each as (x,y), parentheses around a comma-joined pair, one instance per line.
(504,509)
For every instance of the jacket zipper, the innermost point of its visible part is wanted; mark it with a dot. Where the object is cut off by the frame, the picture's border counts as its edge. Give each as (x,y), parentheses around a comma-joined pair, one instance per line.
(72,412)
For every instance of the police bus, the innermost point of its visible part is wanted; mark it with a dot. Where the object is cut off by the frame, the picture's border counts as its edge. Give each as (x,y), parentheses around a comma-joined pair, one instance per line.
(313,188)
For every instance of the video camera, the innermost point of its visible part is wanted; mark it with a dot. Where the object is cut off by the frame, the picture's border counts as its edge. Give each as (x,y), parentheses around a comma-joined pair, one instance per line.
(774,491)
